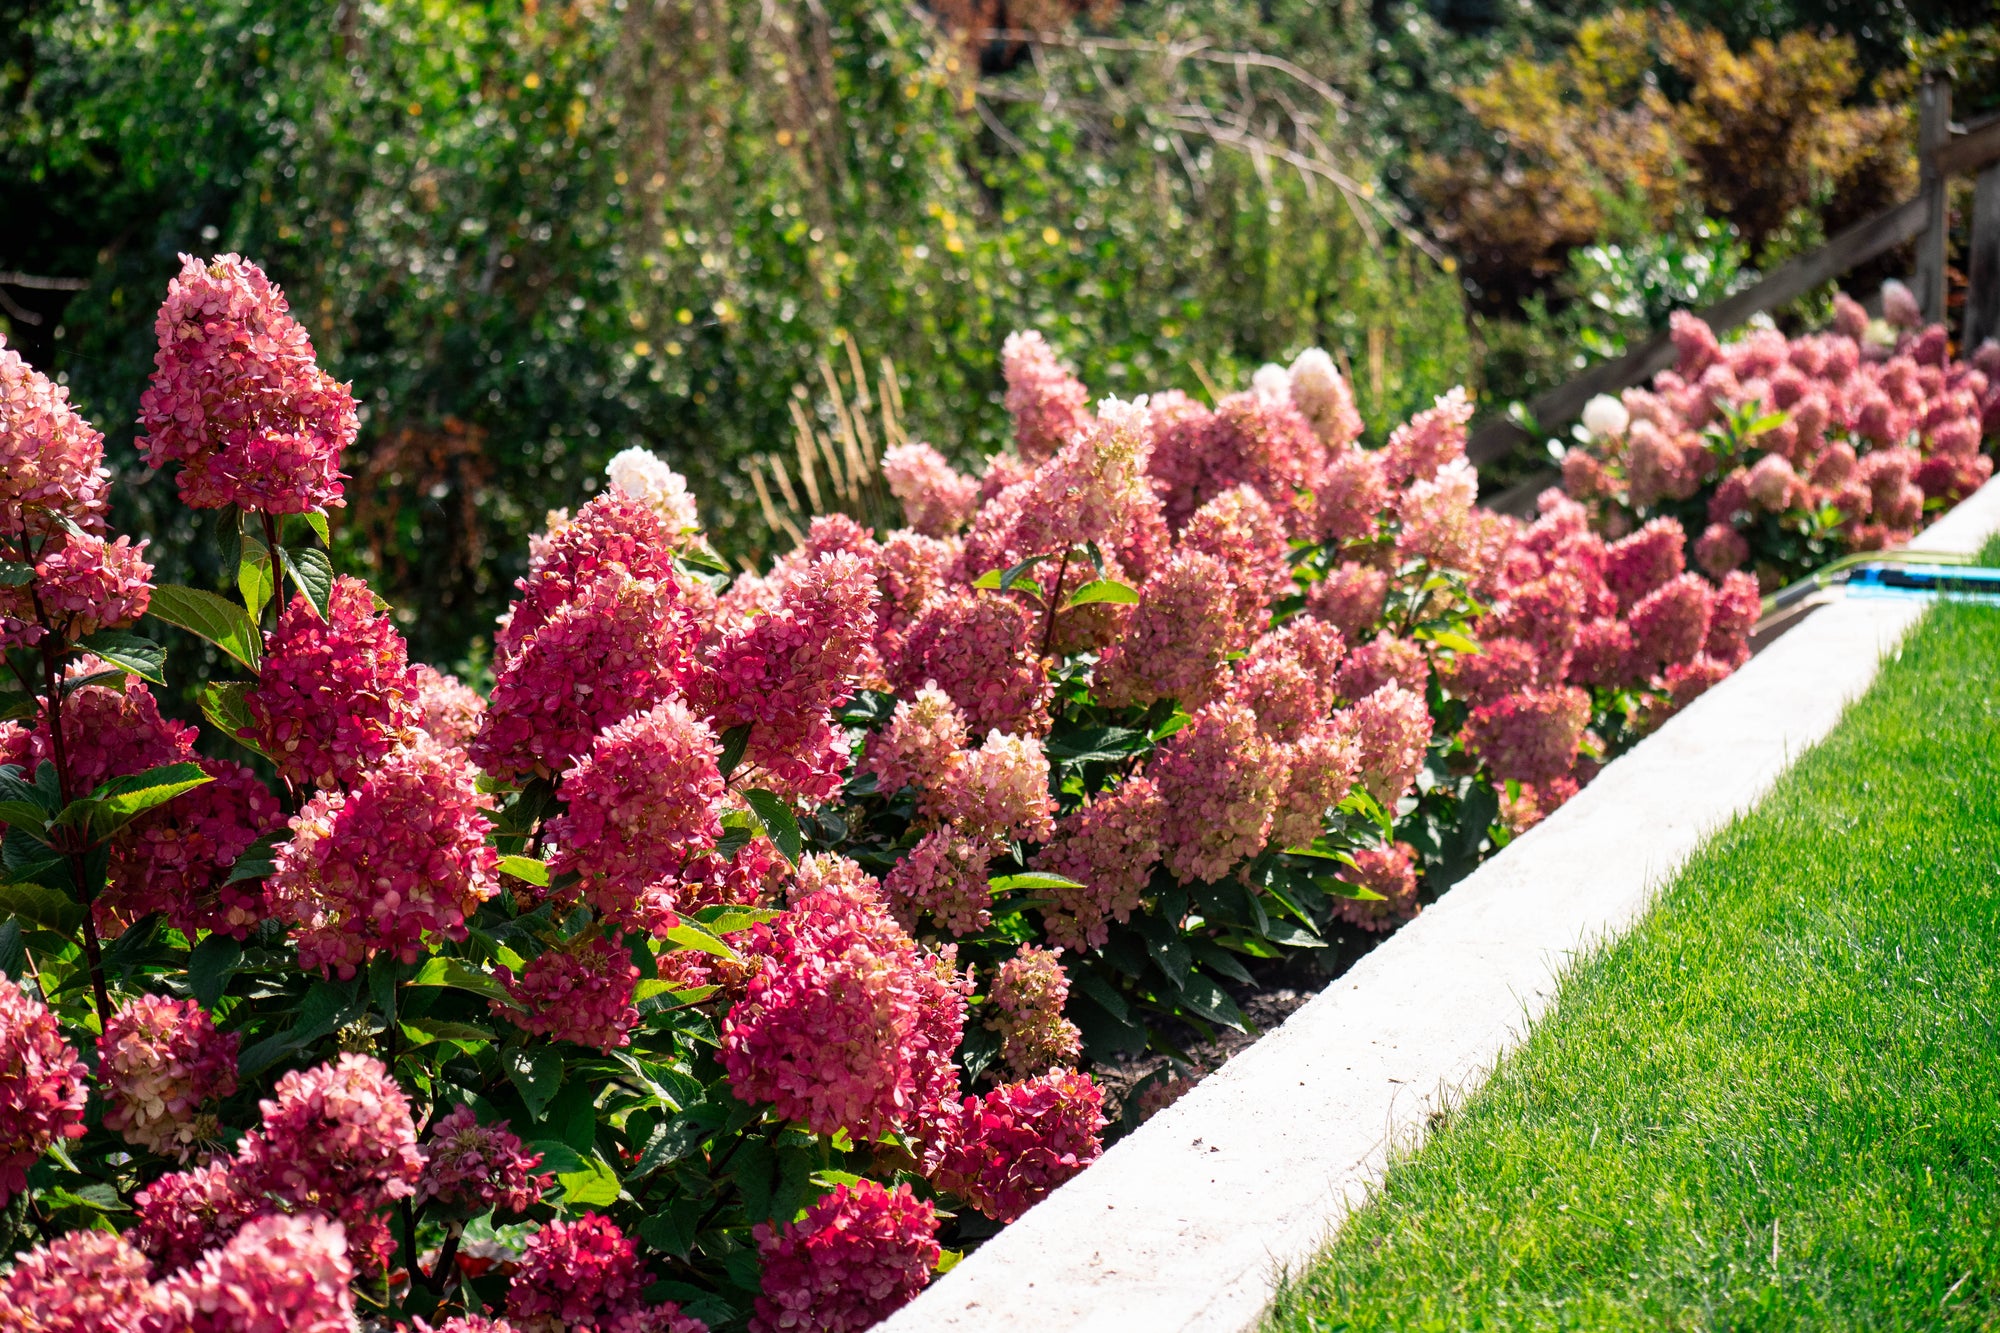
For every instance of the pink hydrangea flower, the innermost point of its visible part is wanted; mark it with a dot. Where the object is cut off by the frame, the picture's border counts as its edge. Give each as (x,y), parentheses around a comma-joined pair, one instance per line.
(1545,613)
(1531,736)
(1286,678)
(1178,638)
(282,1273)
(1438,524)
(620,645)
(1432,439)
(1392,729)
(470,1167)
(580,992)
(1688,681)
(108,733)
(1603,648)
(1240,529)
(338,1138)
(1108,846)
(1384,661)
(1695,341)
(1246,439)
(1670,624)
(185,1213)
(158,1062)
(81,584)
(398,859)
(1390,873)
(447,707)
(1221,779)
(237,398)
(1049,404)
(642,475)
(1350,598)
(1094,490)
(586,1275)
(921,745)
(41,1085)
(51,459)
(1636,565)
(783,673)
(334,695)
(613,530)
(1733,612)
(982,650)
(998,792)
(176,858)
(644,802)
(1321,767)
(1351,496)
(83,1282)
(1022,1141)
(830,1030)
(1502,666)
(937,500)
(857,1256)
(945,875)
(1028,994)
(1720,549)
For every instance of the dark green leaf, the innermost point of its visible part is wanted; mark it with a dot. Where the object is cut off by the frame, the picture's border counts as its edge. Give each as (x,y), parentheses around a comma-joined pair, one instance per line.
(222,704)
(129,652)
(17,705)
(1106,745)
(536,1073)
(44,907)
(221,622)
(309,568)
(424,1031)
(12,947)
(1089,983)
(27,816)
(734,741)
(1203,997)
(778,821)
(1165,947)
(725,919)
(14,574)
(459,976)
(670,1142)
(209,967)
(258,861)
(122,800)
(1215,958)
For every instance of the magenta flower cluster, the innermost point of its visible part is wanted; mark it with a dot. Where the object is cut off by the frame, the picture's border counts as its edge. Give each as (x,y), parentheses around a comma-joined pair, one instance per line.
(858,1255)
(159,1062)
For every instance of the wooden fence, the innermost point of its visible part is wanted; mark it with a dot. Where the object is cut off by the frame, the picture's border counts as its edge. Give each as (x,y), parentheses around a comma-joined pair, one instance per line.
(1943,152)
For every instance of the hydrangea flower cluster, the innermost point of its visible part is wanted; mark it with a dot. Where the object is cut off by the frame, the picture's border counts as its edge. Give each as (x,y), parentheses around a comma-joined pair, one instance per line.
(921,745)
(586,1275)
(376,869)
(238,399)
(282,1273)
(82,1282)
(944,875)
(1049,405)
(333,696)
(580,992)
(1221,778)
(1028,994)
(831,1028)
(637,809)
(936,499)
(1388,872)
(1022,1140)
(858,1255)
(981,650)
(1869,423)
(1179,638)
(1107,847)
(176,858)
(158,1062)
(337,1138)
(41,1085)
(447,707)
(639,474)
(470,1167)
(998,792)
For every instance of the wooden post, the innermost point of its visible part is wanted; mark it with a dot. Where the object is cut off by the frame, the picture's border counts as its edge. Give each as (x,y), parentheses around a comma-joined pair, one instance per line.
(1982,265)
(1933,133)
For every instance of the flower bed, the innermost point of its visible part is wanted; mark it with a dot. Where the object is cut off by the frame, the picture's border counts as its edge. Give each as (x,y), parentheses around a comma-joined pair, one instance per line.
(1787,453)
(734,960)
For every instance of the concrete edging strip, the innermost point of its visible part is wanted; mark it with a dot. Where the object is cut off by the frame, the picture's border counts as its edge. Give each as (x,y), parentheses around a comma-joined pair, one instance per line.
(1187,1223)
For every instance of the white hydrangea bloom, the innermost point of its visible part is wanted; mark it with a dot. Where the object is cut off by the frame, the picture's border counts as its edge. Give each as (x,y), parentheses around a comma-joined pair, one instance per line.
(1605,416)
(644,476)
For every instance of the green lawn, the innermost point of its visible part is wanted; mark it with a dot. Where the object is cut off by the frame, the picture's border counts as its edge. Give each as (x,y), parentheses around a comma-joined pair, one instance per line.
(1774,1105)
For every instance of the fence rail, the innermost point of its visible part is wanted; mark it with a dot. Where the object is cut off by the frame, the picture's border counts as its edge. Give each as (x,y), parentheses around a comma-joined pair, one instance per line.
(1943,153)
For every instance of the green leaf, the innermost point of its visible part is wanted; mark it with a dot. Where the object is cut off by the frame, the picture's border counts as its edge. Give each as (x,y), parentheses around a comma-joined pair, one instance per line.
(690,936)
(253,576)
(734,742)
(738,827)
(701,555)
(1452,639)
(222,623)
(1106,745)
(1032,879)
(140,656)
(424,1031)
(526,868)
(12,947)
(778,821)
(593,1187)
(1089,983)
(17,705)
(222,703)
(1103,590)
(670,1142)
(557,1156)
(457,975)
(209,967)
(725,919)
(42,906)
(312,571)
(1201,996)
(536,1073)
(27,816)
(1175,721)
(14,574)
(257,861)
(122,800)
(316,520)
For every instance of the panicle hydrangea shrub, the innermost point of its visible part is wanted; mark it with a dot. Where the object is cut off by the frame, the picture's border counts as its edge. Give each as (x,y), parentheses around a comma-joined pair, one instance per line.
(587,1275)
(1028,994)
(83,1282)
(282,1273)
(42,1085)
(470,1167)
(581,992)
(337,1138)
(1022,1140)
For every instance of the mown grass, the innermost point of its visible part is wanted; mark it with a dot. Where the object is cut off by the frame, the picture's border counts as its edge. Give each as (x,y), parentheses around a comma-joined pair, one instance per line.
(1776,1103)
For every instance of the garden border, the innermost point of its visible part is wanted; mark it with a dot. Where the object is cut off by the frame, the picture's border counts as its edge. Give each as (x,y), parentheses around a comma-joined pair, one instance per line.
(1187,1224)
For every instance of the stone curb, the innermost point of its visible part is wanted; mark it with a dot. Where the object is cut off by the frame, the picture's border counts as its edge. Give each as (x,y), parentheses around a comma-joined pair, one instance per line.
(1187,1223)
